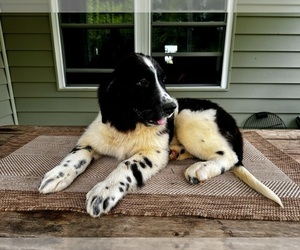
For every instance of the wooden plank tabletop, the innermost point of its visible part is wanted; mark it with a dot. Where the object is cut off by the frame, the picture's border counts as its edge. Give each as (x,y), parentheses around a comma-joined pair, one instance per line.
(70,224)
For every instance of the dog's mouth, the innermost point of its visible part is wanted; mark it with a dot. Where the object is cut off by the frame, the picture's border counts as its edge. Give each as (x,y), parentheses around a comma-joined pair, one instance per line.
(149,119)
(161,121)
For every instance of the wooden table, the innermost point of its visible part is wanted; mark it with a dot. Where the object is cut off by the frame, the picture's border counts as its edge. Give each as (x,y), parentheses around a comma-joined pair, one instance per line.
(70,224)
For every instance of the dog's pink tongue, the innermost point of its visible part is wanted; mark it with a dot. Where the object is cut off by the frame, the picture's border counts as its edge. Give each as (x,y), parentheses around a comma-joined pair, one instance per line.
(162,121)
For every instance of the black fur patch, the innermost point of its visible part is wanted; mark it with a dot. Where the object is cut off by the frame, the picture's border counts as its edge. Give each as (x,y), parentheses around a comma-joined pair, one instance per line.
(80,164)
(220,152)
(193,180)
(128,179)
(222,170)
(88,148)
(137,175)
(105,203)
(239,164)
(142,164)
(96,201)
(148,162)
(74,150)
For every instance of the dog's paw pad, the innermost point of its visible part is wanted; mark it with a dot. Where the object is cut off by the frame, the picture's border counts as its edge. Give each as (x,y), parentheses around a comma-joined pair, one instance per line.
(178,152)
(193,180)
(173,155)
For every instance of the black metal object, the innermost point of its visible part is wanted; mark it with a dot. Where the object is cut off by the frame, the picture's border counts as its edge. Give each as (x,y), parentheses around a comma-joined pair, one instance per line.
(264,120)
(298,121)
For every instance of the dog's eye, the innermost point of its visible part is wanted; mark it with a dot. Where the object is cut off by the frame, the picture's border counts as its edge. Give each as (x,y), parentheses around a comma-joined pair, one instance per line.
(143,83)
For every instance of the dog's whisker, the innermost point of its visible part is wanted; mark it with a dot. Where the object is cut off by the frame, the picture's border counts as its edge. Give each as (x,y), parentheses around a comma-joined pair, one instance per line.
(145,114)
(138,113)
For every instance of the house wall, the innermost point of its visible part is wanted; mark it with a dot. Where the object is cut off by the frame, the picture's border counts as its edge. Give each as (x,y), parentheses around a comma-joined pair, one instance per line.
(30,55)
(264,74)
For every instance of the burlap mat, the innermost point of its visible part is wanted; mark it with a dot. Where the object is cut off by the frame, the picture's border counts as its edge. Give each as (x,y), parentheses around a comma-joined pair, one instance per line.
(166,194)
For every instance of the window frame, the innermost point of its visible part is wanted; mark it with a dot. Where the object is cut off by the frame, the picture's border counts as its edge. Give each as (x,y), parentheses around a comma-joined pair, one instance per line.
(142,18)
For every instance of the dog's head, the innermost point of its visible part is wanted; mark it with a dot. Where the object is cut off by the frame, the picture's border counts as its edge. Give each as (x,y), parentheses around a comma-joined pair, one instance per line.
(136,95)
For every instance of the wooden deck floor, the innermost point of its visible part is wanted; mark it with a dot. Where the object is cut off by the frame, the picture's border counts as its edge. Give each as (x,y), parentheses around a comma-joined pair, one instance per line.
(70,224)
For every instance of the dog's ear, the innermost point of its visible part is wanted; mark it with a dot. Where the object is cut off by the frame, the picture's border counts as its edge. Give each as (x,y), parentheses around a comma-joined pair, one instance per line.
(115,107)
(116,97)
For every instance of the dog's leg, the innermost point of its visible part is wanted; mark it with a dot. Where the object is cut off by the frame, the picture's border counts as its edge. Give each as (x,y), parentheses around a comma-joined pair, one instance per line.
(202,171)
(71,166)
(129,175)
(199,133)
(215,160)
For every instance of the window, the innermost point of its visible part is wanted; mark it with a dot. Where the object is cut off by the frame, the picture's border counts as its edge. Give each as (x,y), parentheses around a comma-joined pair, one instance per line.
(189,47)
(93,43)
(190,40)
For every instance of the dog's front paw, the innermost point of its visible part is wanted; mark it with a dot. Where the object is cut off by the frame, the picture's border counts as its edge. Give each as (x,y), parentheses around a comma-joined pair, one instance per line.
(103,197)
(57,179)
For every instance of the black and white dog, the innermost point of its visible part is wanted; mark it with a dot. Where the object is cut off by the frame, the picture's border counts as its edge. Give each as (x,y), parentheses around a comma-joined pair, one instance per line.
(143,126)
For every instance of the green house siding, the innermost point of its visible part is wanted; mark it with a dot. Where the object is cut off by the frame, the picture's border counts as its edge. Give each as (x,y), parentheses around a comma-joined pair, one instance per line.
(31,59)
(264,73)
(266,61)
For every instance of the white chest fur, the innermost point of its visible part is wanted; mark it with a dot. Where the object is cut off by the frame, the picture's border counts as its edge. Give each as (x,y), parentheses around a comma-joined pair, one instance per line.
(107,140)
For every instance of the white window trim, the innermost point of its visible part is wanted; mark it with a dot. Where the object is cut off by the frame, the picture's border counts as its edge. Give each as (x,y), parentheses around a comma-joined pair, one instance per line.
(143,7)
(8,78)
(228,43)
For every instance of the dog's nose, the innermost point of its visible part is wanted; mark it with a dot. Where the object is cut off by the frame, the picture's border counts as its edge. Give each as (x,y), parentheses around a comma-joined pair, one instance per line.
(169,108)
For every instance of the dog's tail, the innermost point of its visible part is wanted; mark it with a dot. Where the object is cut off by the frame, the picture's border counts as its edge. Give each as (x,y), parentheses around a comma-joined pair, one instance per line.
(250,180)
